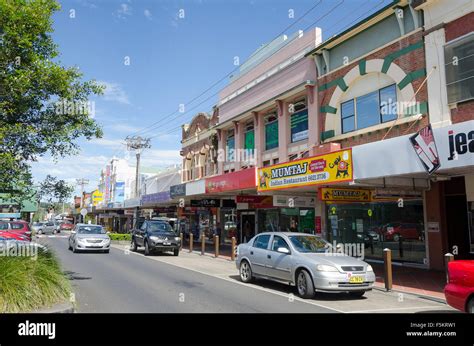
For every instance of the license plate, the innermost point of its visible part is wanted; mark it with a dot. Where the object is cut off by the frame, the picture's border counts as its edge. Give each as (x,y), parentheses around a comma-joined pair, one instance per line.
(166,243)
(356,280)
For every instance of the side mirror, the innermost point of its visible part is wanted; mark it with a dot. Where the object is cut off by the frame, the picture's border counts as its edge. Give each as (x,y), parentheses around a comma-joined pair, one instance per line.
(284,250)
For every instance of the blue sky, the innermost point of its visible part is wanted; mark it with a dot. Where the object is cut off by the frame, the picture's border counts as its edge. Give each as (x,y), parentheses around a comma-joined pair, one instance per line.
(171,60)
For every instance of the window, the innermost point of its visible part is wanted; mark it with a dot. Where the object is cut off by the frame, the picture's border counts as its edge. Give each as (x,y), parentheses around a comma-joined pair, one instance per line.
(230,144)
(271,131)
(368,110)
(348,116)
(299,121)
(266,163)
(279,242)
(459,58)
(249,137)
(275,161)
(292,157)
(261,241)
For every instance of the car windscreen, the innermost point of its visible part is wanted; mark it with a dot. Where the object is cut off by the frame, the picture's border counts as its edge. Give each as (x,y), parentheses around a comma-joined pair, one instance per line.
(91,230)
(307,243)
(17,225)
(159,227)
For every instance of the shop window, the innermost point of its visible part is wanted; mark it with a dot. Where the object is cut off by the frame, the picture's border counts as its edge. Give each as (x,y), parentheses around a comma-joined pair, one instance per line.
(299,121)
(261,241)
(230,145)
(370,109)
(459,58)
(271,131)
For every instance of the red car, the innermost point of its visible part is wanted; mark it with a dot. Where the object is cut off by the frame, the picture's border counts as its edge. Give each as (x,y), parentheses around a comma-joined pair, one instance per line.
(459,291)
(14,236)
(393,231)
(66,226)
(19,227)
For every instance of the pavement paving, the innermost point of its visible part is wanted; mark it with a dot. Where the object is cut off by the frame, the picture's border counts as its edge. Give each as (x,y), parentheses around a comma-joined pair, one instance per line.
(125,281)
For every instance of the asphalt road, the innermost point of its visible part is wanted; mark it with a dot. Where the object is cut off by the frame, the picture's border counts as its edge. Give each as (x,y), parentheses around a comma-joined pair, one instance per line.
(120,282)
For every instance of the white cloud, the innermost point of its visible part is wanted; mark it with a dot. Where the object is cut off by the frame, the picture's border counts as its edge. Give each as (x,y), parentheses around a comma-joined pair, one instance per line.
(148,14)
(105,142)
(114,92)
(87,3)
(122,128)
(157,158)
(123,11)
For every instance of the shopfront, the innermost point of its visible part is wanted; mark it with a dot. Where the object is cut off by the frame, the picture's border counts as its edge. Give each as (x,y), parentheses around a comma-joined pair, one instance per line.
(376,219)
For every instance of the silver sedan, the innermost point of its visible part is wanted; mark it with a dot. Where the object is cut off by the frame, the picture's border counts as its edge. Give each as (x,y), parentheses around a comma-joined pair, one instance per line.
(87,237)
(305,261)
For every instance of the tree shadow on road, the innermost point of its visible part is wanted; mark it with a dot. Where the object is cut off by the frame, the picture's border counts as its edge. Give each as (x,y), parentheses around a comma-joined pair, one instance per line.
(75,276)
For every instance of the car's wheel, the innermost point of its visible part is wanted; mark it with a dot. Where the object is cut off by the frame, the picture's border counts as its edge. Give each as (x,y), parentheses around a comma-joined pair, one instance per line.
(69,248)
(245,272)
(470,306)
(147,248)
(106,251)
(134,245)
(176,252)
(304,284)
(74,249)
(357,294)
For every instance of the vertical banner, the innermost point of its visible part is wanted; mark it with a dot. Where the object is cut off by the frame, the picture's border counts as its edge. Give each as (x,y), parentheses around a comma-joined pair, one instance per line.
(425,147)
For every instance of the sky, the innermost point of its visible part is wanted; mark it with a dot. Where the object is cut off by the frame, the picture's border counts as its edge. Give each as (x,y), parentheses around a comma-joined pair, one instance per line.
(154,55)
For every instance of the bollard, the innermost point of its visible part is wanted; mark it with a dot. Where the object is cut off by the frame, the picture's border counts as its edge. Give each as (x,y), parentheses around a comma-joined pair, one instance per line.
(448,258)
(387,260)
(232,254)
(203,243)
(181,240)
(191,241)
(216,242)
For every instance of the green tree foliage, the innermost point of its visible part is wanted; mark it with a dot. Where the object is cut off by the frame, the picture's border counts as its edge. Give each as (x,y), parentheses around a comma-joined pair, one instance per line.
(53,190)
(32,85)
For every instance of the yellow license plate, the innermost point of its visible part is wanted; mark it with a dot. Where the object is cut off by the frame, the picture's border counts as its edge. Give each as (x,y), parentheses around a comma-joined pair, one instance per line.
(356,280)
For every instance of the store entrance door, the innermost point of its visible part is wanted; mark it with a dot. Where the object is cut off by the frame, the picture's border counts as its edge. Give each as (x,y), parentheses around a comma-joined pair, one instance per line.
(247,226)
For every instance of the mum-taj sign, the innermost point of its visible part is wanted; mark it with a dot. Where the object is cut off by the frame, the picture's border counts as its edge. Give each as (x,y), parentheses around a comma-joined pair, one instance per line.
(331,168)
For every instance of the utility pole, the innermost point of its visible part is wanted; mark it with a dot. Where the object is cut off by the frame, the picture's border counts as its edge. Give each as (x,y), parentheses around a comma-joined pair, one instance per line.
(137,144)
(82,182)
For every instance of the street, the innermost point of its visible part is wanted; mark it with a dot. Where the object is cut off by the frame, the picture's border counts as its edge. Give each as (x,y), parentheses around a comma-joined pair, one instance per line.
(123,281)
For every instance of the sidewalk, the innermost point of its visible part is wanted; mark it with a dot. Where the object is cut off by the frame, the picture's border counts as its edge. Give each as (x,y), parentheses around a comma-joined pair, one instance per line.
(405,279)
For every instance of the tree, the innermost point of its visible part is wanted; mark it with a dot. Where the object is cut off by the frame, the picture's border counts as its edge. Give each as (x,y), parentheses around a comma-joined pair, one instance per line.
(53,190)
(43,105)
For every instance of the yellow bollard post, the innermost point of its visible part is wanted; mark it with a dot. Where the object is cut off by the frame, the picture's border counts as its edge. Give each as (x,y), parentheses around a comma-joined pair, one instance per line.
(181,240)
(216,241)
(203,243)
(232,254)
(387,260)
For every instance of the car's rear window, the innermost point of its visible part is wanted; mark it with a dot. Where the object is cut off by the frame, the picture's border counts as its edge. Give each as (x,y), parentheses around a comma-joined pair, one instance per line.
(3,225)
(17,225)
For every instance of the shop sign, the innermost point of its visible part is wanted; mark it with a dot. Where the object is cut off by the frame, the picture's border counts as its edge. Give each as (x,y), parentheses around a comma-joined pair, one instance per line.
(253,202)
(240,180)
(178,190)
(433,226)
(119,195)
(158,197)
(129,212)
(329,168)
(210,202)
(107,183)
(294,202)
(317,224)
(196,187)
(425,147)
(383,194)
(344,195)
(228,203)
(97,197)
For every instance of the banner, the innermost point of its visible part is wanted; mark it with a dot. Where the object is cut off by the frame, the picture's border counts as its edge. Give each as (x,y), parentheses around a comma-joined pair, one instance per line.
(329,168)
(425,147)
(119,192)
(344,195)
(97,197)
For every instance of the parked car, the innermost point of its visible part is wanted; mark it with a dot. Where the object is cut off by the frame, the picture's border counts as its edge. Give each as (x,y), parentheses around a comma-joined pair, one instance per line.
(89,237)
(13,236)
(66,226)
(48,228)
(156,235)
(18,227)
(459,291)
(37,226)
(303,260)
(393,231)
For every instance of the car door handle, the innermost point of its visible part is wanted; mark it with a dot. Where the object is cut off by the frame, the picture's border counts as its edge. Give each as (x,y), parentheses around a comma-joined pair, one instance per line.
(251,252)
(269,256)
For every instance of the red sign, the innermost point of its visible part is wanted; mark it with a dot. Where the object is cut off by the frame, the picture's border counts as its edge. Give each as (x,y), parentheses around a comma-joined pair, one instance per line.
(317,223)
(317,165)
(240,180)
(255,202)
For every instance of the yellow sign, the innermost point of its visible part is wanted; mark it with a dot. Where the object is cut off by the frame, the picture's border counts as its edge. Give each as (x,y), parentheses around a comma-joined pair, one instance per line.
(330,168)
(97,197)
(344,195)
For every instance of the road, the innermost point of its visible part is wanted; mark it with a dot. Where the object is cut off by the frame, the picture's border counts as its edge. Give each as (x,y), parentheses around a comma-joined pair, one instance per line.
(122,281)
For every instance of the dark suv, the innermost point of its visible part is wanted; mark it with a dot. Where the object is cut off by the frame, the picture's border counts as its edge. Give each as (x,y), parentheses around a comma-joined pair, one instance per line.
(156,235)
